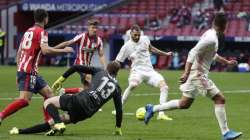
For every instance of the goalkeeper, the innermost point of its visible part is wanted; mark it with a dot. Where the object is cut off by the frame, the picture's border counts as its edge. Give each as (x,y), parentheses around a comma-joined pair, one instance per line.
(82,105)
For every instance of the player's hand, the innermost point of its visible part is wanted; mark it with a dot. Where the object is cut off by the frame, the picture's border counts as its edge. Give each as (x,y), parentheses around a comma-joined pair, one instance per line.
(57,85)
(184,78)
(118,131)
(232,62)
(69,50)
(169,53)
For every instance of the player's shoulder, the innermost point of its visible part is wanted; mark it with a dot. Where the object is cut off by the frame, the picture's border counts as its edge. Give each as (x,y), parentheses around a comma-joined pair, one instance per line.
(37,30)
(81,34)
(145,38)
(209,35)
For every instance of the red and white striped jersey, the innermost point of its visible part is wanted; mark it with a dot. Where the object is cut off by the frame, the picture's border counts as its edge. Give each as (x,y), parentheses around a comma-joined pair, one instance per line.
(87,46)
(30,49)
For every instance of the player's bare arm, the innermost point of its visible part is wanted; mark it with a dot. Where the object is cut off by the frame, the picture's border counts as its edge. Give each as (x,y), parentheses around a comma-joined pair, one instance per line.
(186,73)
(46,50)
(64,44)
(119,112)
(157,51)
(222,60)
(102,57)
(18,55)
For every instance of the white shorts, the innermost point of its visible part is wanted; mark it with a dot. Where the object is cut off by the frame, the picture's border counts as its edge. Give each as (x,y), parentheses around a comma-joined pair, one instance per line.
(151,77)
(202,86)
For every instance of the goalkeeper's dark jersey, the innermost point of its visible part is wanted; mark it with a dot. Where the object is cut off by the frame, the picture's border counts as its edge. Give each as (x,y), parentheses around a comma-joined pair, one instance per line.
(103,87)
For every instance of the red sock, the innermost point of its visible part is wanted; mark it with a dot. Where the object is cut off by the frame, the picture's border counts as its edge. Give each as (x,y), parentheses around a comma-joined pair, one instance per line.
(13,107)
(72,90)
(45,113)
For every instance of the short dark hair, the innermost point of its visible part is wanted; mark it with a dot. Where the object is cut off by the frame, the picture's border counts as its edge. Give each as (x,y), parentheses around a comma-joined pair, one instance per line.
(135,27)
(220,19)
(40,15)
(94,22)
(113,68)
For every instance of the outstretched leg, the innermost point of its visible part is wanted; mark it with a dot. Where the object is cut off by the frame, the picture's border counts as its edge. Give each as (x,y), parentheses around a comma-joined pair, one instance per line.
(183,103)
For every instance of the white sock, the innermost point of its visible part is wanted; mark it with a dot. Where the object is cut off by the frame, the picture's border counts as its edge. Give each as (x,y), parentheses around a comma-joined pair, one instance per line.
(170,105)
(163,97)
(220,114)
(126,94)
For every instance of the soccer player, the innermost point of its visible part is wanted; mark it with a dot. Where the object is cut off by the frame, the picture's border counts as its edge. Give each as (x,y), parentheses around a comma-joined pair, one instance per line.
(84,104)
(195,78)
(34,43)
(88,43)
(138,49)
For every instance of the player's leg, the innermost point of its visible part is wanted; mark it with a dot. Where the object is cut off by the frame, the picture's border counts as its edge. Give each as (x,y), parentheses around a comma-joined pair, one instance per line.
(38,128)
(52,105)
(135,78)
(220,112)
(21,102)
(45,91)
(183,103)
(155,79)
(25,84)
(189,94)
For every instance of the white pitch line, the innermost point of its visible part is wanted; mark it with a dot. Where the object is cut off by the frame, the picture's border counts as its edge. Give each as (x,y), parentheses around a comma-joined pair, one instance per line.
(128,114)
(149,94)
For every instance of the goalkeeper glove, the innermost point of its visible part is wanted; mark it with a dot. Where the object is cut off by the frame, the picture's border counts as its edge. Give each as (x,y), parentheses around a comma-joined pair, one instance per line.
(58,84)
(118,131)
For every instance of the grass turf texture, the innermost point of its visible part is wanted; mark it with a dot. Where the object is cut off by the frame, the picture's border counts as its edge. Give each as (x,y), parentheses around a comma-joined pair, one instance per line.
(197,123)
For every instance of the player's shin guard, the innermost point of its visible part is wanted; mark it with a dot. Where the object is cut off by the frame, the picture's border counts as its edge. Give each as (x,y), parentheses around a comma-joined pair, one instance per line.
(163,96)
(170,105)
(220,114)
(53,112)
(13,107)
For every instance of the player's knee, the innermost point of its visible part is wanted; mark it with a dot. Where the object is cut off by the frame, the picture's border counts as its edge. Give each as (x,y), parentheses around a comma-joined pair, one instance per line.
(185,105)
(219,99)
(47,102)
(133,85)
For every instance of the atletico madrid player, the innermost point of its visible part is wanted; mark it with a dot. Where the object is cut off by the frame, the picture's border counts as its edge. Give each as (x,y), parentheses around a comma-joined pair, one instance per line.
(33,44)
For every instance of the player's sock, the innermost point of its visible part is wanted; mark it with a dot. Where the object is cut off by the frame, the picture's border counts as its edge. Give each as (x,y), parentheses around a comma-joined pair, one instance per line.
(72,90)
(163,97)
(220,113)
(53,112)
(170,105)
(13,107)
(35,129)
(126,94)
(45,113)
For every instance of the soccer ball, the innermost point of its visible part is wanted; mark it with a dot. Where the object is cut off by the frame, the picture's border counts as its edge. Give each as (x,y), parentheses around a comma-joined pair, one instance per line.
(140,113)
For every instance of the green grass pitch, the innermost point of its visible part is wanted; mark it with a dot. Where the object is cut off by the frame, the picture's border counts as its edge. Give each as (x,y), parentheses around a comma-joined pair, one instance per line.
(197,123)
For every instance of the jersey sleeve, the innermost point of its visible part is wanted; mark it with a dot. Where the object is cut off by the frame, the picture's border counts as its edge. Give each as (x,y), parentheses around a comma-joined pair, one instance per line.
(81,68)
(77,39)
(201,47)
(118,106)
(122,55)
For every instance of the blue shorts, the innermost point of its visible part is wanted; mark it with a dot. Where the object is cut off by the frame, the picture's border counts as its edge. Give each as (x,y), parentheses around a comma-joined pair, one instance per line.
(29,82)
